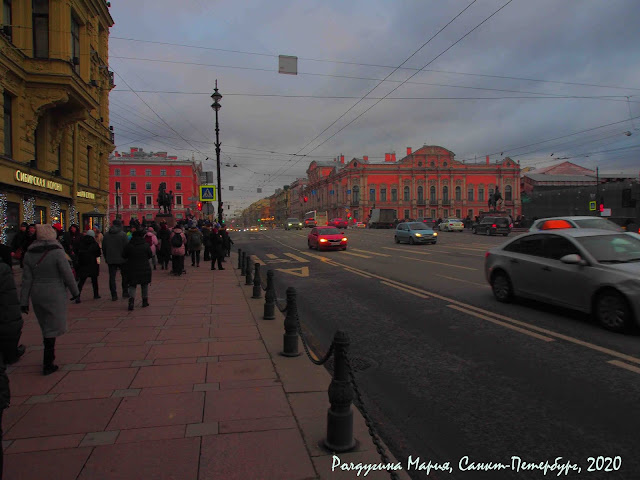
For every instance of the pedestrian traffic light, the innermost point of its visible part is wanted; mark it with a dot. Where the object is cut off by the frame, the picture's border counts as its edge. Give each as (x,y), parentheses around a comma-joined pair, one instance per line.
(200,206)
(601,207)
(306,199)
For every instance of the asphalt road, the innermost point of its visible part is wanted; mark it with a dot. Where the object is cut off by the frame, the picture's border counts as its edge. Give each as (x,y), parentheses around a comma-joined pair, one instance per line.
(448,372)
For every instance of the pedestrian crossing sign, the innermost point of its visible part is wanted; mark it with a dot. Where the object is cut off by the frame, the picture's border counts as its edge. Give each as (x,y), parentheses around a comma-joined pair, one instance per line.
(592,206)
(207,193)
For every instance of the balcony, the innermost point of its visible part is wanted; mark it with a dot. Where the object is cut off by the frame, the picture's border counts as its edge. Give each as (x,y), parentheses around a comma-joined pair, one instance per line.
(422,202)
(446,202)
(433,202)
(355,203)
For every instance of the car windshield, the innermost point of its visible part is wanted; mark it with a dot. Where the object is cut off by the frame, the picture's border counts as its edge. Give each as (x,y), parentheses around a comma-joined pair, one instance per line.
(620,248)
(418,226)
(328,231)
(293,220)
(456,220)
(596,222)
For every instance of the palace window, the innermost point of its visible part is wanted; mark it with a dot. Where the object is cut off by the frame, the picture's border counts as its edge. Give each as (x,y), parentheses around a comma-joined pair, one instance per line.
(470,194)
(147,172)
(394,195)
(116,172)
(508,194)
(178,172)
(132,172)
(148,200)
(481,194)
(133,200)
(372,194)
(40,20)
(132,185)
(420,194)
(8,125)
(445,194)
(178,186)
(75,43)
(383,194)
(406,194)
(6,17)
(163,173)
(147,186)
(432,194)
(458,193)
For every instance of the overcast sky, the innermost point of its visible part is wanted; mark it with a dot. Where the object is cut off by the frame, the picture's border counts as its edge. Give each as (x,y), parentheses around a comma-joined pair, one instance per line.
(550,49)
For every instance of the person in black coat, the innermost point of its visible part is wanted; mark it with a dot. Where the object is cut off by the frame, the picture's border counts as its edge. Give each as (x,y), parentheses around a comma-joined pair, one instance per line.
(88,254)
(217,251)
(163,250)
(138,253)
(206,241)
(10,330)
(226,242)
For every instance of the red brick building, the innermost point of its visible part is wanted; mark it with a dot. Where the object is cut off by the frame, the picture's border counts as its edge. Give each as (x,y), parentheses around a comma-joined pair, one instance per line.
(426,183)
(134,179)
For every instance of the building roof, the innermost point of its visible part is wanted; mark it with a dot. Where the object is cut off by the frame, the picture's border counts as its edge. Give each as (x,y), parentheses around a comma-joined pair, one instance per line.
(565,168)
(543,177)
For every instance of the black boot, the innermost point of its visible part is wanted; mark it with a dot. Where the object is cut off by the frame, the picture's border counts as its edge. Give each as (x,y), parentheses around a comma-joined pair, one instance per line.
(131,300)
(145,302)
(49,356)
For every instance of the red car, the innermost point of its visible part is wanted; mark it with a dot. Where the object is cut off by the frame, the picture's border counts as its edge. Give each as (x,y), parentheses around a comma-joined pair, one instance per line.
(338,223)
(310,222)
(329,238)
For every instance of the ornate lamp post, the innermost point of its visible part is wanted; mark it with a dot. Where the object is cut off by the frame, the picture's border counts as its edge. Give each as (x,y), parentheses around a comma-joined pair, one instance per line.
(216,107)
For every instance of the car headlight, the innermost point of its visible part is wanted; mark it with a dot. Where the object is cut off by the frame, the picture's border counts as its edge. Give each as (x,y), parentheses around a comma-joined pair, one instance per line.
(290,224)
(300,224)
(418,234)
(435,234)
(323,240)
(344,239)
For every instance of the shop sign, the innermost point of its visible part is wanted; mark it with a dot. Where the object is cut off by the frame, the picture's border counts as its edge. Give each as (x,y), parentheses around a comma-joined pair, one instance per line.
(89,195)
(37,181)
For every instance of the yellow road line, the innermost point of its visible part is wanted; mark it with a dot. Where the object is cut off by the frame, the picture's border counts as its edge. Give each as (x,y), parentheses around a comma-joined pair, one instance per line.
(438,263)
(271,255)
(297,258)
(406,251)
(255,259)
(465,281)
(406,290)
(503,324)
(354,254)
(626,366)
(371,253)
(356,272)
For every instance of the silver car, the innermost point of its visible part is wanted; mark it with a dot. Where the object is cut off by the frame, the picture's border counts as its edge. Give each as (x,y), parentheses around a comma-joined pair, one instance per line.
(590,270)
(414,232)
(575,222)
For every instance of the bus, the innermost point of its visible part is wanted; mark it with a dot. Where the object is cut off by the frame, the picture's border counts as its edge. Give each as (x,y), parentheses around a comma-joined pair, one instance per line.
(315,219)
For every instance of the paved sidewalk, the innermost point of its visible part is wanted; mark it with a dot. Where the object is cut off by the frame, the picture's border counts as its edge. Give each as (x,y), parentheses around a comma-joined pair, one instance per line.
(191,387)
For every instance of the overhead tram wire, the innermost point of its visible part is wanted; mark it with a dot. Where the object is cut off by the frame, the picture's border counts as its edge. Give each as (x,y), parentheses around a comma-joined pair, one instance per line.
(416,73)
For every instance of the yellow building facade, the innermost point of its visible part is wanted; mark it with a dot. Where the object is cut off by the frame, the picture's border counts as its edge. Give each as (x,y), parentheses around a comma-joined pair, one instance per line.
(54,120)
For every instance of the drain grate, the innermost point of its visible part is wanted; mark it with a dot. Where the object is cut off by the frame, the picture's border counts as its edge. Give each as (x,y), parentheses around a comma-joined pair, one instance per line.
(359,364)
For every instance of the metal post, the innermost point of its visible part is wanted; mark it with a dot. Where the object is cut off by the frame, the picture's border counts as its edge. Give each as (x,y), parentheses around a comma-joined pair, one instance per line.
(257,285)
(269,298)
(243,264)
(290,337)
(239,258)
(340,415)
(216,107)
(248,280)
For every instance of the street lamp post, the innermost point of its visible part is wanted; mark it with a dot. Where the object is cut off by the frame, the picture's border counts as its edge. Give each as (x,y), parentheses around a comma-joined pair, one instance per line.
(216,107)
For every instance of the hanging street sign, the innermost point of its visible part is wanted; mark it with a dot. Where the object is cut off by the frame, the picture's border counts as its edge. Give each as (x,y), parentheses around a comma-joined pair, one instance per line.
(208,193)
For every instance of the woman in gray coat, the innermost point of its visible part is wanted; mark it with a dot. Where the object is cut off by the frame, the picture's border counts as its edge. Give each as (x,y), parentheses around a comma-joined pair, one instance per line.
(45,280)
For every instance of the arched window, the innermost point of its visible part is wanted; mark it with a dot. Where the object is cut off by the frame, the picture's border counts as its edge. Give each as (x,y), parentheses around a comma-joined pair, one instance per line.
(507,193)
(481,194)
(470,194)
(445,194)
(432,193)
(356,193)
(372,194)
(406,194)
(458,193)
(420,193)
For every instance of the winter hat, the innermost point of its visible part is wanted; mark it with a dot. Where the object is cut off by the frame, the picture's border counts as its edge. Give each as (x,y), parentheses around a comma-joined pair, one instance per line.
(91,233)
(150,229)
(45,231)
(117,222)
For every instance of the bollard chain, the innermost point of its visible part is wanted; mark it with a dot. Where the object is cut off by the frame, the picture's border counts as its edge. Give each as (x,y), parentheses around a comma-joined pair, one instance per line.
(367,419)
(324,359)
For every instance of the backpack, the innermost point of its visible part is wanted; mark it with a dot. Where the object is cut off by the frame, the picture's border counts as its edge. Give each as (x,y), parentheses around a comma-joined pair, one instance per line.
(149,240)
(195,240)
(176,240)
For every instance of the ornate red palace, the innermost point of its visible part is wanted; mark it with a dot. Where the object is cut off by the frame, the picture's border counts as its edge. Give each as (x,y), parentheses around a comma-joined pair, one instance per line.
(426,183)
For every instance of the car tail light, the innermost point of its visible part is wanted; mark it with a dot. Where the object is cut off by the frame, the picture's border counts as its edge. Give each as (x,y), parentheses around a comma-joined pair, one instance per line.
(511,225)
(493,226)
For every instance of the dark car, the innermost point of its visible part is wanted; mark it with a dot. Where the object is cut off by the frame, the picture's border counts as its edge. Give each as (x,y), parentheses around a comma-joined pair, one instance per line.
(338,223)
(428,221)
(493,226)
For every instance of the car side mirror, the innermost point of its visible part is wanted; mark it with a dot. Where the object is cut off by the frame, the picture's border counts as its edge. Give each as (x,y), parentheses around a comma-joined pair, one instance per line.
(573,259)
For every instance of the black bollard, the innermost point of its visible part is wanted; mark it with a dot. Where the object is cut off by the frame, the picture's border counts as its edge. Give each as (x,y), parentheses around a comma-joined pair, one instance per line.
(290,337)
(269,298)
(243,265)
(239,258)
(248,272)
(257,285)
(340,415)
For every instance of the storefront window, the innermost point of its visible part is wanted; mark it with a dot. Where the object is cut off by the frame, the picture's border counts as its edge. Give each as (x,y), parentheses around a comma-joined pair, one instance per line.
(41,214)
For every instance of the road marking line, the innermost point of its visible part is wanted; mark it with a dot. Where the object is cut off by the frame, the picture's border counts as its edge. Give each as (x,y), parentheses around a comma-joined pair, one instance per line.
(371,253)
(626,366)
(453,247)
(298,272)
(406,290)
(551,333)
(271,255)
(406,251)
(503,324)
(354,254)
(460,280)
(438,263)
(297,258)
(255,259)
(357,273)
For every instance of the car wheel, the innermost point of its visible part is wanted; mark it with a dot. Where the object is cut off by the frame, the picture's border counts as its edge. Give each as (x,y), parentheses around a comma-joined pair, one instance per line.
(309,243)
(612,311)
(487,232)
(506,234)
(501,287)
(396,239)
(344,249)
(411,241)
